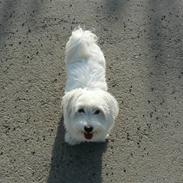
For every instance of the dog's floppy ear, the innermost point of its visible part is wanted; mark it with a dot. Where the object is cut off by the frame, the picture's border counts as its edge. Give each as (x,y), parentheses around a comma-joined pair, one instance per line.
(69,99)
(113,106)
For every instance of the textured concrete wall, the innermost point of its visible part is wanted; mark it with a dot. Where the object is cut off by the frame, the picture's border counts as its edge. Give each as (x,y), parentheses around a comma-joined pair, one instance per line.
(143,44)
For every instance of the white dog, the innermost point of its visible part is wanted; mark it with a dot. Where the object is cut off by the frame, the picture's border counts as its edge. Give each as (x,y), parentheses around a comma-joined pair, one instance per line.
(89,110)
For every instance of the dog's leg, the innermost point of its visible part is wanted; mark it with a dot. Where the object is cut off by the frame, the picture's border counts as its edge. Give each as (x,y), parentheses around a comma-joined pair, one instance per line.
(70,140)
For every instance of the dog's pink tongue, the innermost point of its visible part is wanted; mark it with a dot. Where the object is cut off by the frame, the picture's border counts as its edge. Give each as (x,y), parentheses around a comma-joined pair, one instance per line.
(88,135)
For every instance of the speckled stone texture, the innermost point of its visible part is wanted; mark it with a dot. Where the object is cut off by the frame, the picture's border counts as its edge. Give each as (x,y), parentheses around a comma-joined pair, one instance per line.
(143,44)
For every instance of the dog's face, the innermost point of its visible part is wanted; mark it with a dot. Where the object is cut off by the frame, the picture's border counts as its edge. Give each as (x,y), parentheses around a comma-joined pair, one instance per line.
(89,114)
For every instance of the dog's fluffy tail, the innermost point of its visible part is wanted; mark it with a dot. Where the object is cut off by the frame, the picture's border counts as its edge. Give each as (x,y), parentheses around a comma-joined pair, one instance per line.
(80,45)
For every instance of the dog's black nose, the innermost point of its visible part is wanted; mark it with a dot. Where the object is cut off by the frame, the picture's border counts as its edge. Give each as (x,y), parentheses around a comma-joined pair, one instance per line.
(88,128)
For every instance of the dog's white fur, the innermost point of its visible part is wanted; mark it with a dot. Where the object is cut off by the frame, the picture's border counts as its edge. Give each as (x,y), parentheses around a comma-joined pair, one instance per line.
(86,101)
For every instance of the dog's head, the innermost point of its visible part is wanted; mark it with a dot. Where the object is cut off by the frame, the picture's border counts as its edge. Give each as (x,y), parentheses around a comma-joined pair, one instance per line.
(89,114)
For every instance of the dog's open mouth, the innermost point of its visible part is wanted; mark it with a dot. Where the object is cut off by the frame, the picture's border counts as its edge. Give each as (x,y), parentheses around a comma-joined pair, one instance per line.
(88,136)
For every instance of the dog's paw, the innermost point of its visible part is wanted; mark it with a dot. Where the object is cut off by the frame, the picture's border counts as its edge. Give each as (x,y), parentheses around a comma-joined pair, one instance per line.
(70,140)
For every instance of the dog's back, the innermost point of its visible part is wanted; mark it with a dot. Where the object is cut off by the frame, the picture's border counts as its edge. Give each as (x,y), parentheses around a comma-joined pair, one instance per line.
(85,62)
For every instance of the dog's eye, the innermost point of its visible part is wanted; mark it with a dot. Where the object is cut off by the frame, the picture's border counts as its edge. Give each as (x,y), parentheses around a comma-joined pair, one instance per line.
(81,110)
(97,111)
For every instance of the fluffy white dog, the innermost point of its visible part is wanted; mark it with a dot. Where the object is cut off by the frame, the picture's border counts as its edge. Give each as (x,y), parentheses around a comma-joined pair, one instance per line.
(89,110)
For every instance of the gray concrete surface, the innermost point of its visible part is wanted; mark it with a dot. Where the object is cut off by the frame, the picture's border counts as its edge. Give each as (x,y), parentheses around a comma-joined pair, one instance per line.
(143,44)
